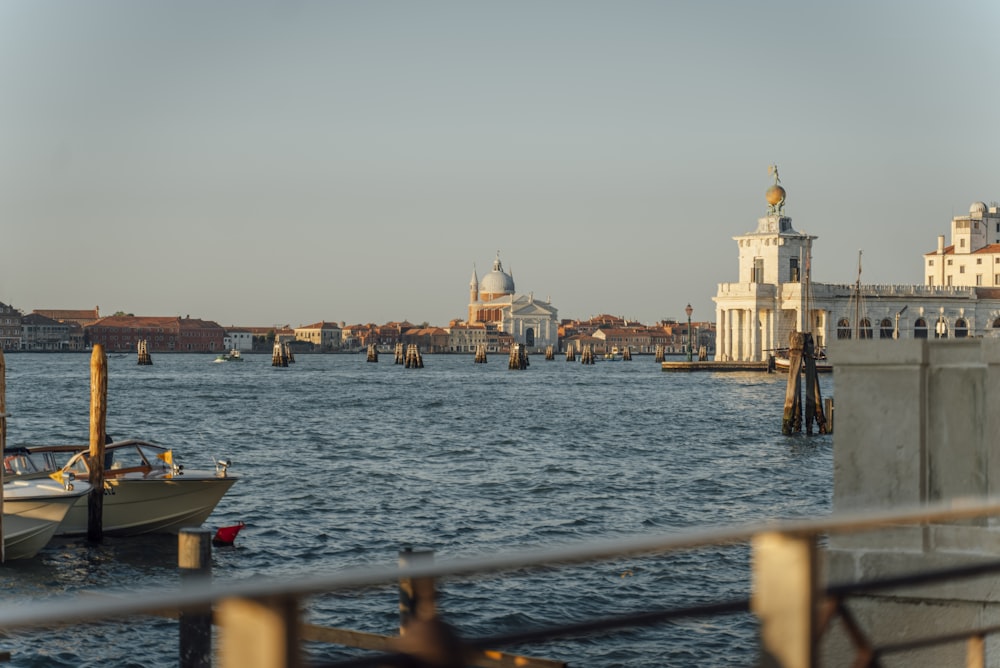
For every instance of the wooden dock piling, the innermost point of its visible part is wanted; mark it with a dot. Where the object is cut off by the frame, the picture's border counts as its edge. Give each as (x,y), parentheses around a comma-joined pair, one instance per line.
(400,358)
(518,357)
(627,354)
(480,354)
(802,362)
(413,358)
(549,354)
(278,357)
(588,355)
(145,359)
(659,354)
(571,353)
(98,434)
(372,353)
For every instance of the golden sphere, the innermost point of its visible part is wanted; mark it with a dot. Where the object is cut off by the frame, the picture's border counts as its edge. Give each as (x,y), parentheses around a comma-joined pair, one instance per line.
(775,195)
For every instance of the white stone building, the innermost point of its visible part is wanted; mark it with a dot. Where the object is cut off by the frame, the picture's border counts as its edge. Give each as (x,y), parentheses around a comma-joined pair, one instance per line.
(494,301)
(757,313)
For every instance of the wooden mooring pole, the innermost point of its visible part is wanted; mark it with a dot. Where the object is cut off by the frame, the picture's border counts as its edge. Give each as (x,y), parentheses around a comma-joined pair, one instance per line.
(194,560)
(792,419)
(98,433)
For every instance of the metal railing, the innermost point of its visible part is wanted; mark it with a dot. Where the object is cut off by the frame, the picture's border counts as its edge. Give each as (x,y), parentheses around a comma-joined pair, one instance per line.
(260,625)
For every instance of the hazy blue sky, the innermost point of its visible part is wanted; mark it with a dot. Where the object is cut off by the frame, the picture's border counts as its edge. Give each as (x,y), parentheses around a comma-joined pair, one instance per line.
(282,162)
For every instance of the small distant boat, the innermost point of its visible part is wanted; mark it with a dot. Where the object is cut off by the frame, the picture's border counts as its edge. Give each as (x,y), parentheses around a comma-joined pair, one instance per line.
(613,355)
(232,356)
(781,362)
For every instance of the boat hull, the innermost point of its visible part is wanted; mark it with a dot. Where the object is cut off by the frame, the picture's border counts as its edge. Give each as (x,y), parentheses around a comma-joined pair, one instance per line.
(33,513)
(134,507)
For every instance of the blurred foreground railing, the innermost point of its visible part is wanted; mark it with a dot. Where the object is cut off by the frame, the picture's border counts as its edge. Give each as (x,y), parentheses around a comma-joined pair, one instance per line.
(260,623)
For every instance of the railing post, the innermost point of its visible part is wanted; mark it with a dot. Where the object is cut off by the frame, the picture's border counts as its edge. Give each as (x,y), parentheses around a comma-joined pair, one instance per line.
(416,595)
(784,599)
(259,633)
(194,559)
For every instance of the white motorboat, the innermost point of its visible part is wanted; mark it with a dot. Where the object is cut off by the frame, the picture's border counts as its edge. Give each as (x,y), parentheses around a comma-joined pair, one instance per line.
(232,356)
(144,490)
(33,511)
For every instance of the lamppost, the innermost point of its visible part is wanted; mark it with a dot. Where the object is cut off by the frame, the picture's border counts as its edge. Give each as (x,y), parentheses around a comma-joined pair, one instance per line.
(688,310)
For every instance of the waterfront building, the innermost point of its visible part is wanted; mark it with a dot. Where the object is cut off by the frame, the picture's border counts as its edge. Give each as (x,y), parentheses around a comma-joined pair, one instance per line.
(494,301)
(773,298)
(238,339)
(322,335)
(427,339)
(10,327)
(41,333)
(466,338)
(122,333)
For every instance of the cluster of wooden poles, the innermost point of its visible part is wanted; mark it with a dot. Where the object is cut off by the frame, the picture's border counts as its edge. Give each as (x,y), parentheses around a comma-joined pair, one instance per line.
(802,363)
(145,358)
(518,357)
(282,354)
(412,359)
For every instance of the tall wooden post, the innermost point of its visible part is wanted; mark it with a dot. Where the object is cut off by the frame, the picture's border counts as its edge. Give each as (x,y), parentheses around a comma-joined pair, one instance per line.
(194,559)
(792,421)
(3,445)
(98,415)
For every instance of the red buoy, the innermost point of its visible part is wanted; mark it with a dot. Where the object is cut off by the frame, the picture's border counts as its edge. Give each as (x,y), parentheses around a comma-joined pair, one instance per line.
(226,535)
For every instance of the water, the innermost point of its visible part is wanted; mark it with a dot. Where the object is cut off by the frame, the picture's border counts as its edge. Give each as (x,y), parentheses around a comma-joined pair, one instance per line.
(344,462)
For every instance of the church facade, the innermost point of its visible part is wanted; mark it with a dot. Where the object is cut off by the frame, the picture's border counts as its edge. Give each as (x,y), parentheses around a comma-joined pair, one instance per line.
(494,303)
(775,295)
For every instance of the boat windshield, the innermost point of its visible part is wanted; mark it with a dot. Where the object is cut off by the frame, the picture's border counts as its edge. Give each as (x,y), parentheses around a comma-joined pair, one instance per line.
(21,462)
(129,457)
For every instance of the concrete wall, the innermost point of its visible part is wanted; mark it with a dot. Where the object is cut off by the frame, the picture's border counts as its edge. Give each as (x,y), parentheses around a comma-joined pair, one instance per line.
(917,421)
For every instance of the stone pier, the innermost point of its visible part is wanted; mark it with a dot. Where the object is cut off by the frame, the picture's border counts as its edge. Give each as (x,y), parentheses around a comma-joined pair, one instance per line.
(918,421)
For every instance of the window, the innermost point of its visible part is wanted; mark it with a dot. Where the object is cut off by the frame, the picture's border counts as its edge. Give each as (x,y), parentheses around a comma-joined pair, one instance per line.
(979,279)
(961,243)
(949,262)
(979,260)
(920,329)
(758,270)
(843,328)
(961,269)
(961,328)
(949,279)
(885,329)
(930,263)
(793,266)
(930,280)
(865,331)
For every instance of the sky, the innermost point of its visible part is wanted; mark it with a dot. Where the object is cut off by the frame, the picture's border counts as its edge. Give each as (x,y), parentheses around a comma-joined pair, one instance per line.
(276,162)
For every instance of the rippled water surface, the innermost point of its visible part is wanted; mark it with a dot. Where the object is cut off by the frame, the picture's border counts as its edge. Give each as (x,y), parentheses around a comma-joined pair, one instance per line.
(345,462)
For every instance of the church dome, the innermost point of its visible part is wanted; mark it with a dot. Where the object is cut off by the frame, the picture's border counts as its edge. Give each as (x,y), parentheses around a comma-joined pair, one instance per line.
(978,209)
(497,282)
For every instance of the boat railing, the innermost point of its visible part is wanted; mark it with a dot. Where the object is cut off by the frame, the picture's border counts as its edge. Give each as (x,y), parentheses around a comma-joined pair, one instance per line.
(260,623)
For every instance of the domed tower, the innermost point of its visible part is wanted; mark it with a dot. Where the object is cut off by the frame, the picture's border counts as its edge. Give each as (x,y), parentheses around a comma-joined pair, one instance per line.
(497,283)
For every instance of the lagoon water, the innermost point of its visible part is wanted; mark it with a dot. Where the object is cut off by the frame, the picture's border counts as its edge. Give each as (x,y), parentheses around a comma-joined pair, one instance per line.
(344,462)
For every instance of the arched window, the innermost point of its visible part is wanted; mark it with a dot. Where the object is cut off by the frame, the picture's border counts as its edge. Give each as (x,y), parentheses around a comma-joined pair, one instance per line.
(865,332)
(843,328)
(885,329)
(996,323)
(920,329)
(961,328)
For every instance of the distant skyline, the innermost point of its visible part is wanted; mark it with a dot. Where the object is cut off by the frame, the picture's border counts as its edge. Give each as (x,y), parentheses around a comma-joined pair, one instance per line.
(263,163)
